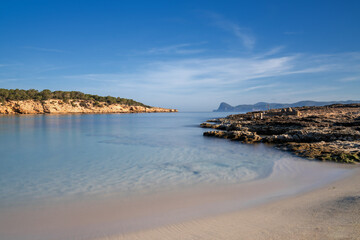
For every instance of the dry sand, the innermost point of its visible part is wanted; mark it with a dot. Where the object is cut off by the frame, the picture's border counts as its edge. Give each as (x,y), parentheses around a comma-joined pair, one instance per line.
(331,212)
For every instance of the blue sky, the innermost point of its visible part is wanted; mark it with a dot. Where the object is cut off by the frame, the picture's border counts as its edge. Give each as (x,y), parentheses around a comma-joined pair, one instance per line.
(189,55)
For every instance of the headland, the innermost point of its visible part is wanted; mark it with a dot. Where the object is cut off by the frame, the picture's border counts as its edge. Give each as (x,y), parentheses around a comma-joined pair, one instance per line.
(17,101)
(57,106)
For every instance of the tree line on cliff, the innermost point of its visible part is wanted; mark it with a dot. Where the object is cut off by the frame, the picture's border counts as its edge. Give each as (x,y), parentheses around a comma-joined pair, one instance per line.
(32,94)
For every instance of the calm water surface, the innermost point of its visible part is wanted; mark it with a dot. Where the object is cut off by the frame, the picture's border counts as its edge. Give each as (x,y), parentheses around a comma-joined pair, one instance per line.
(56,157)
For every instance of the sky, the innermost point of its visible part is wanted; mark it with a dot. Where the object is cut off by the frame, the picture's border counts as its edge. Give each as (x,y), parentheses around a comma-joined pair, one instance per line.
(189,55)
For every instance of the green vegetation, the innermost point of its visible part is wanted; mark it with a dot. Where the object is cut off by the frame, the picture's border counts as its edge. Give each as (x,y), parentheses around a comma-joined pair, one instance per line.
(32,94)
(324,153)
(348,157)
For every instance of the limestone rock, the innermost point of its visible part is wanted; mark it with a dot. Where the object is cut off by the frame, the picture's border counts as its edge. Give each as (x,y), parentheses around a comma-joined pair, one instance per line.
(330,133)
(56,106)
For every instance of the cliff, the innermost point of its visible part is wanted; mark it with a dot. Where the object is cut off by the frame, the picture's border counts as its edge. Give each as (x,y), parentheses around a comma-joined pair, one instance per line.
(262,106)
(57,106)
(328,133)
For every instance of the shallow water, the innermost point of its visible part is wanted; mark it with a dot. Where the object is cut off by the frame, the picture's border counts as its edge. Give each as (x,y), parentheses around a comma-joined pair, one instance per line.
(90,175)
(51,157)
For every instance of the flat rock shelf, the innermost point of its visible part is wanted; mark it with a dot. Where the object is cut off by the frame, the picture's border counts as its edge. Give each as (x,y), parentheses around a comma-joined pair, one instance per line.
(327,133)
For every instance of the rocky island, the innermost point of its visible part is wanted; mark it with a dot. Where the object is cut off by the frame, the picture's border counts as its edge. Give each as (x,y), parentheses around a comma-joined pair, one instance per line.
(262,106)
(15,101)
(328,133)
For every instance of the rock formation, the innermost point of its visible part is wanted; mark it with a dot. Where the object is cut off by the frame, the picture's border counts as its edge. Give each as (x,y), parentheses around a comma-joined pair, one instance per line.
(330,133)
(262,106)
(57,106)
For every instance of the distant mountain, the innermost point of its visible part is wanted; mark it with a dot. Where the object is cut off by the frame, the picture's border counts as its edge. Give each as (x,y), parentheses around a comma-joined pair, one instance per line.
(261,106)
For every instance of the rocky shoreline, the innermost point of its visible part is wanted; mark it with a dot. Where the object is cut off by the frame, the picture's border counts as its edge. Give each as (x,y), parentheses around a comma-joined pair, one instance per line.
(57,106)
(328,133)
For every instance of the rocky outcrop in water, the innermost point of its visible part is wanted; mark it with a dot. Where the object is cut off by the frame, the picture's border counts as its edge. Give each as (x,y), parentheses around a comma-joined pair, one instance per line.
(57,106)
(329,133)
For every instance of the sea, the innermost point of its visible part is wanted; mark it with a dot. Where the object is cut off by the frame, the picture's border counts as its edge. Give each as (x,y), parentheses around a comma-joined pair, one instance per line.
(51,159)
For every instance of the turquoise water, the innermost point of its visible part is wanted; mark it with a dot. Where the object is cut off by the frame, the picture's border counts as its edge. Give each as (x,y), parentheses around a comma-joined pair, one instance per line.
(57,157)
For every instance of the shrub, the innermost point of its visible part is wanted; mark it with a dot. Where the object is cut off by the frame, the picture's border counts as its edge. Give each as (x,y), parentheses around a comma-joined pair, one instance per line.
(83,104)
(32,94)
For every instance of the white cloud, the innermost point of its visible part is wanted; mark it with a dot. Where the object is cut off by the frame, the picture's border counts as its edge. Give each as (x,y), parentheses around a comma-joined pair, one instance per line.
(207,81)
(244,34)
(212,73)
(350,79)
(176,49)
(219,74)
(197,72)
(260,87)
(247,39)
(272,51)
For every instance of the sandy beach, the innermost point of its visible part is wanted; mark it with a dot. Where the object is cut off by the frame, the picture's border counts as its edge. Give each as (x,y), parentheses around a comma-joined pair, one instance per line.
(330,212)
(299,200)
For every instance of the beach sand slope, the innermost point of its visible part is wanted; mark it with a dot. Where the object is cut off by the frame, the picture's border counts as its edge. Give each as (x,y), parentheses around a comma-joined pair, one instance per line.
(331,212)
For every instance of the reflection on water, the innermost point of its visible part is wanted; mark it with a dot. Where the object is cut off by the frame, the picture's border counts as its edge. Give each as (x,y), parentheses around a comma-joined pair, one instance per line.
(46,157)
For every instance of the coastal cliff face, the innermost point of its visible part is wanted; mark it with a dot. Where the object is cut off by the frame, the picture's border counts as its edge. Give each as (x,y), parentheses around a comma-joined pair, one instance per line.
(56,106)
(328,133)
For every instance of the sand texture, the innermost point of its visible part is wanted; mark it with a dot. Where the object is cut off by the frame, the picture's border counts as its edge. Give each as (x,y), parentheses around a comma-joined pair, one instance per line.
(331,212)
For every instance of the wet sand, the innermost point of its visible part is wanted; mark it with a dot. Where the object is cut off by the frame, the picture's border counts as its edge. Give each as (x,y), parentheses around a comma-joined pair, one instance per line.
(330,212)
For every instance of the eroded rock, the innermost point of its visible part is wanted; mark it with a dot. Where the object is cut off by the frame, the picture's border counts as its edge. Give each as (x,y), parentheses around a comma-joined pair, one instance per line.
(328,133)
(57,106)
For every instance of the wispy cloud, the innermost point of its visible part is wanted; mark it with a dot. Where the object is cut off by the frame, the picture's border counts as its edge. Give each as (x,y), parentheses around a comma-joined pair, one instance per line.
(247,39)
(244,34)
(189,81)
(184,48)
(272,51)
(212,73)
(350,79)
(196,72)
(44,49)
(260,87)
